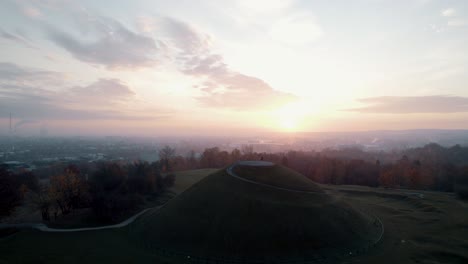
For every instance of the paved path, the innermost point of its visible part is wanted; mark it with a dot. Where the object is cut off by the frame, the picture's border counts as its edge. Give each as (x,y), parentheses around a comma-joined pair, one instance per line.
(45,228)
(230,171)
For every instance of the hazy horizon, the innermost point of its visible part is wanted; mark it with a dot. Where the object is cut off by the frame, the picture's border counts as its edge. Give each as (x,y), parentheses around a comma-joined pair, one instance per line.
(237,68)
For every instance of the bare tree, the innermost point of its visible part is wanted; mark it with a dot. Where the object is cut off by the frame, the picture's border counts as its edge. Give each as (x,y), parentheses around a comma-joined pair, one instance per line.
(165,156)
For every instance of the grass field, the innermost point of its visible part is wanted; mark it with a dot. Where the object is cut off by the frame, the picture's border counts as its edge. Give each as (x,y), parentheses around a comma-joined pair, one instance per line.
(433,229)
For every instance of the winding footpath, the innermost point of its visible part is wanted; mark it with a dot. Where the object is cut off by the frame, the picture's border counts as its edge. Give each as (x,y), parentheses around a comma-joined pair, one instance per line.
(260,164)
(45,228)
(230,171)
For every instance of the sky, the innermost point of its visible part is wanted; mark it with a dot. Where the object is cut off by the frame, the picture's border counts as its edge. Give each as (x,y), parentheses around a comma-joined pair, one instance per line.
(240,67)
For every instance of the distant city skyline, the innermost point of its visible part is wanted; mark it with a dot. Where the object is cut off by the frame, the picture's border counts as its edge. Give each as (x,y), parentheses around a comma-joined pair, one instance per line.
(238,67)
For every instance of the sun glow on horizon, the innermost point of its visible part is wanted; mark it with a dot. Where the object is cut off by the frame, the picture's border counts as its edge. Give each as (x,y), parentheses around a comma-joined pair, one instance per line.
(290,117)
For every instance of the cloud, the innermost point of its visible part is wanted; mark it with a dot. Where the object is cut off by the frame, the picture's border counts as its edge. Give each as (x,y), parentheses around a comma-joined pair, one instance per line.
(186,38)
(12,74)
(16,38)
(113,45)
(22,93)
(454,20)
(449,12)
(109,90)
(458,22)
(31,12)
(415,104)
(221,87)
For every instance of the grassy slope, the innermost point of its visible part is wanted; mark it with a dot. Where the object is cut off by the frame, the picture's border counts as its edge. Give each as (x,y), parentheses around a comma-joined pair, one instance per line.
(277,176)
(223,216)
(185,179)
(433,229)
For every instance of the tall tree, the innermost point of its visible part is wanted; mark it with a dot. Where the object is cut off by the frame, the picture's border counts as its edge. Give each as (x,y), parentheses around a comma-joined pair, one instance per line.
(68,190)
(9,193)
(165,156)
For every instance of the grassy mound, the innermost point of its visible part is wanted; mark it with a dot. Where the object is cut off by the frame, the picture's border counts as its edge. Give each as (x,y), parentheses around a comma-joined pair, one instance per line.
(222,216)
(278,176)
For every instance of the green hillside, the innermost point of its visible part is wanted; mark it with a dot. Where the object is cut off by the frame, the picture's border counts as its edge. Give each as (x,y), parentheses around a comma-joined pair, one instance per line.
(222,216)
(278,176)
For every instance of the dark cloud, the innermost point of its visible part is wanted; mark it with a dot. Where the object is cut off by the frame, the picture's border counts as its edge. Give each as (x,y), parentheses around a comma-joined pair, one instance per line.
(22,95)
(414,104)
(114,45)
(13,74)
(221,86)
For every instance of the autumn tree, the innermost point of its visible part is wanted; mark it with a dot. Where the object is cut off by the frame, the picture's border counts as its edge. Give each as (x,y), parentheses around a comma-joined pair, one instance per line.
(235,154)
(68,190)
(107,189)
(387,177)
(209,158)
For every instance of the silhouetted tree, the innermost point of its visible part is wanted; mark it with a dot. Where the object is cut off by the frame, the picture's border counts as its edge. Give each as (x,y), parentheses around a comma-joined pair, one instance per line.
(9,193)
(235,154)
(165,156)
(29,180)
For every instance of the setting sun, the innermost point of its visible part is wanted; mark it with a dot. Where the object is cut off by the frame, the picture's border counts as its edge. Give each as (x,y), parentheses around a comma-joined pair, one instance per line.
(290,117)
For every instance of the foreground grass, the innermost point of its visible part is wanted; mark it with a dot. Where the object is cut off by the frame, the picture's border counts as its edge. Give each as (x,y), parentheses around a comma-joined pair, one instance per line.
(432,229)
(105,246)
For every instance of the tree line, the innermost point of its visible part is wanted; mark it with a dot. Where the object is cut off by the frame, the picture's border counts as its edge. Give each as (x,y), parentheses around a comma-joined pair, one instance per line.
(111,190)
(431,167)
